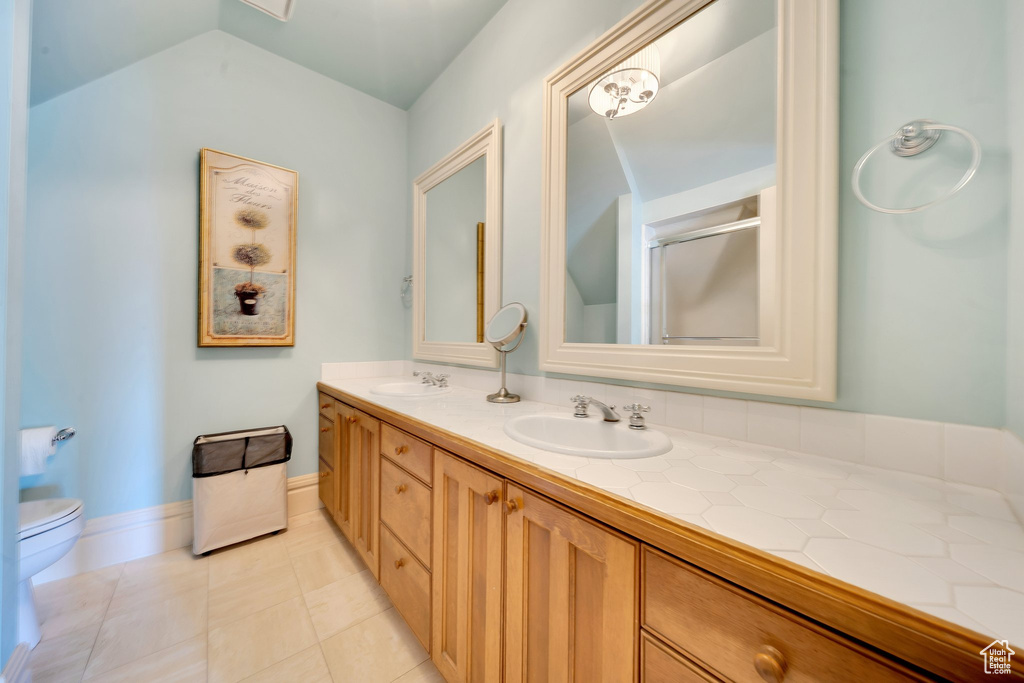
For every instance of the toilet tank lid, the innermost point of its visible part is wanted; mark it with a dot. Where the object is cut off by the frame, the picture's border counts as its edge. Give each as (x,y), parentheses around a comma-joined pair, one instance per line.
(36,513)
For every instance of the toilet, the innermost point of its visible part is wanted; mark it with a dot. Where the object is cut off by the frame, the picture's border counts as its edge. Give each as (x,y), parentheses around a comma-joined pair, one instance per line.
(47,530)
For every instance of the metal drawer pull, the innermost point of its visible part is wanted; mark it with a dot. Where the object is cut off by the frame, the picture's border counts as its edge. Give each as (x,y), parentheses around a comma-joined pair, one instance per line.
(770,664)
(491,497)
(400,488)
(399,563)
(401,449)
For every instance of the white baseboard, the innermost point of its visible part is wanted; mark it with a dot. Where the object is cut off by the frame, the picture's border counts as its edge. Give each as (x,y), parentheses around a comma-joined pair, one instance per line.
(150,531)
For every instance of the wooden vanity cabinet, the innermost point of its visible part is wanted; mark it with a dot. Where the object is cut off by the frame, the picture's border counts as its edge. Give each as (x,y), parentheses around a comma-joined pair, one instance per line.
(469,522)
(503,583)
(358,474)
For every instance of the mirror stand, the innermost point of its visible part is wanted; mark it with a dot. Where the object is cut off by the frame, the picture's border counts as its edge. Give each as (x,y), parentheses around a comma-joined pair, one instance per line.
(503,395)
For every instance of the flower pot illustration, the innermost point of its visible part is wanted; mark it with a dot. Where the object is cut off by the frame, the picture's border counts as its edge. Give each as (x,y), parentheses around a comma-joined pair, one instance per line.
(252,255)
(249,302)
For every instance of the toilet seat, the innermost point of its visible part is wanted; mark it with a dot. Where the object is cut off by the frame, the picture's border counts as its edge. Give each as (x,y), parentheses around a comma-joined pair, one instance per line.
(38,516)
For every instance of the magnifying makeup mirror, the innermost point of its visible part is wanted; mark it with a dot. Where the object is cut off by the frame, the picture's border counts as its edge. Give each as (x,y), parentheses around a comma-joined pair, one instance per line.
(506,326)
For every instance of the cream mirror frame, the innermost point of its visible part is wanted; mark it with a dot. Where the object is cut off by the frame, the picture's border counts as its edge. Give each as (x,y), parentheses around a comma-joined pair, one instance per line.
(486,144)
(798,308)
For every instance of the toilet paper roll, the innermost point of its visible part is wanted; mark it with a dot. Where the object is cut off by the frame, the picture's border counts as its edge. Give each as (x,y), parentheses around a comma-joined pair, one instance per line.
(36,446)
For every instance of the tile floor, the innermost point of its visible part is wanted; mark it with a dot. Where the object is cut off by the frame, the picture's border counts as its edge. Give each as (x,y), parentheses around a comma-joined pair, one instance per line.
(299,606)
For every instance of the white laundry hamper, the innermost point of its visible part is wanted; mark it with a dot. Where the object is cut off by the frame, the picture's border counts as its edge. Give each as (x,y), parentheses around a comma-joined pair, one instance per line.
(239,486)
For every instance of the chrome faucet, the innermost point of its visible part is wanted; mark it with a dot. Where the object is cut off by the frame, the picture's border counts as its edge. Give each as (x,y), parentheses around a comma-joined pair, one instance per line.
(636,420)
(440,380)
(583,402)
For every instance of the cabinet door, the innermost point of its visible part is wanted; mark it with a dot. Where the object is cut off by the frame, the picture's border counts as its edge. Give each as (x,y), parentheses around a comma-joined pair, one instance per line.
(365,477)
(327,486)
(328,461)
(344,510)
(467,566)
(570,596)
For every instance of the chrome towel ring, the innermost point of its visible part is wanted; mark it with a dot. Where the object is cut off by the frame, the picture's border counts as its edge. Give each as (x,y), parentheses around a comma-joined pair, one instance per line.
(910,140)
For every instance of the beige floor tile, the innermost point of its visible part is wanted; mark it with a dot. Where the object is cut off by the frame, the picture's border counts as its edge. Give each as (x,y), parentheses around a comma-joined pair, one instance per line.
(318,515)
(185,661)
(249,645)
(326,565)
(72,604)
(424,673)
(64,657)
(153,627)
(308,537)
(246,559)
(344,603)
(252,593)
(380,649)
(157,579)
(307,666)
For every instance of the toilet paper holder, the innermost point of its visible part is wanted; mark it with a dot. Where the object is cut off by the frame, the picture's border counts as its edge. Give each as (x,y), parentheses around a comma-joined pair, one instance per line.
(63,435)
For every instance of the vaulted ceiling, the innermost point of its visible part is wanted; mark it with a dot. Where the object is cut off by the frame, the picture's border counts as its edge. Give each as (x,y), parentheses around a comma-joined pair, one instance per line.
(390,49)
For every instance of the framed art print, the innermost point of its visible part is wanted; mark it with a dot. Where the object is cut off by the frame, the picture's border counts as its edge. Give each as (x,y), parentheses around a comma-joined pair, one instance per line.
(246,251)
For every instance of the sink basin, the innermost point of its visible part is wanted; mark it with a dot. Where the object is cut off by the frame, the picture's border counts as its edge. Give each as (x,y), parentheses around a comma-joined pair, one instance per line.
(588,438)
(409,390)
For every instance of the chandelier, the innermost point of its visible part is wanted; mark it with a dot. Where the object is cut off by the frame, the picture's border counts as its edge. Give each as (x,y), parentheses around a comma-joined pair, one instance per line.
(629,87)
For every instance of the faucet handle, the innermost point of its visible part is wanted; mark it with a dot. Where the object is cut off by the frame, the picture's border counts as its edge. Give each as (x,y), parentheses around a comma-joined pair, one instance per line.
(581,402)
(636,420)
(442,379)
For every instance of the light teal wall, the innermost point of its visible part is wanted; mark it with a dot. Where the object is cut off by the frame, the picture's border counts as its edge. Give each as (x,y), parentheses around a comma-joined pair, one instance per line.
(111,261)
(1015,304)
(15,19)
(923,298)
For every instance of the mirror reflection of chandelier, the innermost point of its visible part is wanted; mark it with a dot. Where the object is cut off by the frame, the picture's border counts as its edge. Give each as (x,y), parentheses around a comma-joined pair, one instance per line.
(629,87)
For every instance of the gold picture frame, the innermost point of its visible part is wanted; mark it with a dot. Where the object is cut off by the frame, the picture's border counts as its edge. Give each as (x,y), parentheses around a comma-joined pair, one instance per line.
(247,220)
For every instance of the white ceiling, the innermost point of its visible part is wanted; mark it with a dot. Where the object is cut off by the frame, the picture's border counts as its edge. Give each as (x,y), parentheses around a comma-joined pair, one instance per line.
(390,49)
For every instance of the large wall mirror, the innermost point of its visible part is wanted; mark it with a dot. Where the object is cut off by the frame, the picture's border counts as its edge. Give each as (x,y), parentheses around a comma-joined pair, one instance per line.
(457,252)
(690,218)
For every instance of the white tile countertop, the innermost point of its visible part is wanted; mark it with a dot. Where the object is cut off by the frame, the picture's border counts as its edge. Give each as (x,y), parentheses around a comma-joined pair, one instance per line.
(951,550)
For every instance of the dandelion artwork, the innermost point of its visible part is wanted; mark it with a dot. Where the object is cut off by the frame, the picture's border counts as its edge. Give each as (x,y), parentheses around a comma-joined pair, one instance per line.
(247,252)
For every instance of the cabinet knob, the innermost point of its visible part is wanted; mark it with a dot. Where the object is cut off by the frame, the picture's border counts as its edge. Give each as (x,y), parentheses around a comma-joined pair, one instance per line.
(399,563)
(325,406)
(770,664)
(351,420)
(400,488)
(513,505)
(324,474)
(401,449)
(324,429)
(491,497)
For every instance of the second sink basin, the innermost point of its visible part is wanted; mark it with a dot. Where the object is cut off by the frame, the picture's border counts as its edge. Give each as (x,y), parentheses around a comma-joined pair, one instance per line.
(409,390)
(589,438)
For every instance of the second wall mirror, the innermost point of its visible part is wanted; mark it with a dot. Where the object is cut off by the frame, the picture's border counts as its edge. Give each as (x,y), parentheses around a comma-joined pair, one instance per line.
(457,252)
(690,217)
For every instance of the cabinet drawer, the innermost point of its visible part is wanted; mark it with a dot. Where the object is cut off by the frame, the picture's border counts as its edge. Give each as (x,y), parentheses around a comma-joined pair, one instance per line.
(405,507)
(407,451)
(737,634)
(407,583)
(326,485)
(661,664)
(327,440)
(326,404)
